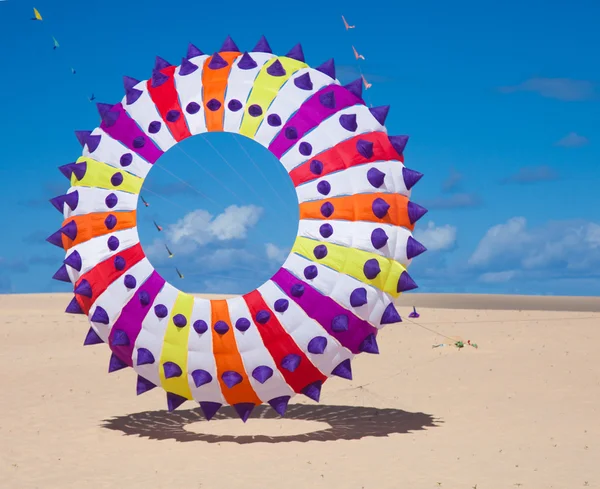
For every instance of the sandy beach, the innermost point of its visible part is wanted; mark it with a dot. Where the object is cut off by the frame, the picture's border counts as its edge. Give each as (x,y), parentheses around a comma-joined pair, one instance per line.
(521,410)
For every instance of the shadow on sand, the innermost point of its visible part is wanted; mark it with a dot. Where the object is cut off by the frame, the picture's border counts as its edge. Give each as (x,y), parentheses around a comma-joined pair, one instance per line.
(346,423)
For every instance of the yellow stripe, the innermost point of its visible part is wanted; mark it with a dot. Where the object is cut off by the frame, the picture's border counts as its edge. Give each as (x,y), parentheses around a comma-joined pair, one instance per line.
(99,174)
(175,347)
(350,261)
(265,89)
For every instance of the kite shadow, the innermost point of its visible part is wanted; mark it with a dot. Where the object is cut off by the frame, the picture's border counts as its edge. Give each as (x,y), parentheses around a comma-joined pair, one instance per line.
(346,423)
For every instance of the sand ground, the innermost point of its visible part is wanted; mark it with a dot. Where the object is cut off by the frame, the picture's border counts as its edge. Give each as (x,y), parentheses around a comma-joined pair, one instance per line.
(522,410)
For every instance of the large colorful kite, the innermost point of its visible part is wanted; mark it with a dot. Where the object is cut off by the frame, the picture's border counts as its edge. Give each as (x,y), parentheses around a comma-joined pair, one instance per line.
(332,294)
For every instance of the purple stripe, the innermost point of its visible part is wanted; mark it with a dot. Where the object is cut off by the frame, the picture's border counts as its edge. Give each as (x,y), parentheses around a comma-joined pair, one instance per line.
(310,114)
(125,130)
(132,316)
(323,309)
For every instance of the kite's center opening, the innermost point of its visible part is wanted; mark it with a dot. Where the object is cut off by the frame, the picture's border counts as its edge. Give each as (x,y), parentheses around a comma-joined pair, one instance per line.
(257,427)
(221,214)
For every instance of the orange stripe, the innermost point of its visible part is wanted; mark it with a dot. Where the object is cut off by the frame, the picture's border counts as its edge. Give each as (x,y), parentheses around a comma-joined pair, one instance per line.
(227,357)
(359,208)
(214,84)
(91,225)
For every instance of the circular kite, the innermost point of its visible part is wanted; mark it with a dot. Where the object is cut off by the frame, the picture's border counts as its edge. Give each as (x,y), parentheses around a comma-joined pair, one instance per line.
(330,297)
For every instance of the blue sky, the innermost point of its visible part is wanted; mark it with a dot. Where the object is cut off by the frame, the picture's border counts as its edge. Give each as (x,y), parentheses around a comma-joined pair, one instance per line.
(501,100)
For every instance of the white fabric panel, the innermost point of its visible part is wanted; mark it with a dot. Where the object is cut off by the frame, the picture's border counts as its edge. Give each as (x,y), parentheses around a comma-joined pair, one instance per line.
(152,334)
(354,180)
(357,235)
(189,89)
(116,296)
(339,287)
(96,250)
(239,86)
(303,329)
(288,101)
(143,111)
(254,353)
(329,133)
(200,355)
(109,151)
(93,199)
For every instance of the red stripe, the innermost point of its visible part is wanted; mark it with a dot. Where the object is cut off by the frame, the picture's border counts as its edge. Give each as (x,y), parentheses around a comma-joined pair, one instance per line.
(344,155)
(280,343)
(165,98)
(105,273)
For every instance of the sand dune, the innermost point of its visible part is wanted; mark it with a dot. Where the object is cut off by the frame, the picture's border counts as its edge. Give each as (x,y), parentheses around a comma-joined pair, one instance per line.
(519,411)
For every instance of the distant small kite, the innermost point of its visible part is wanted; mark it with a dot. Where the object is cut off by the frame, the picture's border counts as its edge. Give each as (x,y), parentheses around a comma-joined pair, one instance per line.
(414,314)
(169,251)
(92,98)
(36,15)
(346,24)
(159,228)
(179,273)
(56,45)
(356,55)
(73,71)
(145,203)
(367,84)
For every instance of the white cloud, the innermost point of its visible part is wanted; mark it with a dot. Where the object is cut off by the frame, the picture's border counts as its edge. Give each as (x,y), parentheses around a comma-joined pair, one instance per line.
(565,89)
(498,277)
(275,253)
(235,222)
(572,140)
(436,238)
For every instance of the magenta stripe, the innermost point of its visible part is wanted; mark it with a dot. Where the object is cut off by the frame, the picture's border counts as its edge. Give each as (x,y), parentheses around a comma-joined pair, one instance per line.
(310,114)
(132,316)
(125,130)
(323,309)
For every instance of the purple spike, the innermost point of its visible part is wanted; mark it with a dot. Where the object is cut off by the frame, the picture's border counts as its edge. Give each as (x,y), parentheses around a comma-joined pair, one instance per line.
(74,261)
(262,46)
(56,239)
(339,324)
(313,391)
(399,143)
(242,324)
(179,320)
(243,409)
(365,148)
(390,315)
(129,83)
(82,136)
(100,316)
(132,95)
(410,177)
(380,207)
(74,307)
(317,345)
(297,290)
(79,169)
(369,345)
(380,113)
(303,82)
(296,53)
(187,67)
(348,122)
(310,272)
(327,68)
(414,248)
(379,238)
(290,362)
(229,46)
(221,327)
(143,385)
(144,357)
(327,209)
(172,370)
(324,187)
(158,78)
(217,62)
(263,316)
(109,118)
(200,326)
(371,268)
(343,370)
(405,282)
(62,274)
(115,364)
(58,203)
(375,177)
(415,212)
(120,338)
(201,377)
(246,62)
(281,305)
(280,404)
(231,378)
(144,297)
(276,69)
(84,288)
(193,51)
(66,170)
(327,99)
(70,230)
(161,311)
(72,200)
(358,297)
(414,314)
(320,252)
(209,409)
(355,87)
(92,338)
(262,373)
(174,401)
(161,64)
(93,141)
